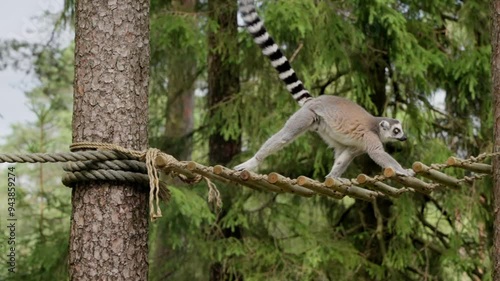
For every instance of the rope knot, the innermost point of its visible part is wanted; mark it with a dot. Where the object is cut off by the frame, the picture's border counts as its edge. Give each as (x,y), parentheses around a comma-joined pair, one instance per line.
(147,159)
(147,162)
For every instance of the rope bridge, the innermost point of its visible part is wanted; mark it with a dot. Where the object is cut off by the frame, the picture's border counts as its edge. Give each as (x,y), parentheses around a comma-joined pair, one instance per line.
(108,162)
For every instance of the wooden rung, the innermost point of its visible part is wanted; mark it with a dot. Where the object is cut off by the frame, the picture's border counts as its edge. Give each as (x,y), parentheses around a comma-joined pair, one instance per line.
(318,187)
(203,170)
(208,172)
(161,161)
(288,184)
(335,188)
(474,167)
(351,190)
(253,178)
(167,165)
(380,186)
(415,183)
(234,176)
(218,169)
(435,175)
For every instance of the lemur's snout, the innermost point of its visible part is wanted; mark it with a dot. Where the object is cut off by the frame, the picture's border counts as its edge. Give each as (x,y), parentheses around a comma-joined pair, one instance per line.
(403,138)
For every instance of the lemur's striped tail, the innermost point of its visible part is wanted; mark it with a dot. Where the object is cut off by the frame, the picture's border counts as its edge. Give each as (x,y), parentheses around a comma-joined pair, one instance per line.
(269,48)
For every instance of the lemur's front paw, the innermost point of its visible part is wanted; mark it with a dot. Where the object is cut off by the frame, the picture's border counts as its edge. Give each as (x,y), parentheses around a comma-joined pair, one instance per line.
(250,164)
(406,172)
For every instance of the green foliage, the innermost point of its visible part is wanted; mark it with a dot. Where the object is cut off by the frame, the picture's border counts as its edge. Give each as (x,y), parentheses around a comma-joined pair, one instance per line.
(425,51)
(397,58)
(178,57)
(42,202)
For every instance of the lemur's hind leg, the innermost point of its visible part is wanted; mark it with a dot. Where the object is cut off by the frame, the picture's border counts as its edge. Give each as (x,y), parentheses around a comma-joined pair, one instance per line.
(343,157)
(299,122)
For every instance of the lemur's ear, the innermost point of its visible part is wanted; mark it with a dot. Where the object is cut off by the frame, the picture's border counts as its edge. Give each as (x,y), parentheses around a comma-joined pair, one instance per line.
(384,125)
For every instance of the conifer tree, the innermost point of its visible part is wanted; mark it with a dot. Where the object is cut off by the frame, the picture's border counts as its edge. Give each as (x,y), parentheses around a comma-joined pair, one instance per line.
(109,223)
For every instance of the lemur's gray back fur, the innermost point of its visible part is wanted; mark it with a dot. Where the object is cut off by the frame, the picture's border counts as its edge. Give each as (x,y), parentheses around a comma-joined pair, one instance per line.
(255,27)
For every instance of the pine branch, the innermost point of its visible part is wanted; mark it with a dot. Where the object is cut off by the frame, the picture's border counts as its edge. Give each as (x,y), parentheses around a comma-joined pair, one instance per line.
(330,80)
(441,209)
(439,234)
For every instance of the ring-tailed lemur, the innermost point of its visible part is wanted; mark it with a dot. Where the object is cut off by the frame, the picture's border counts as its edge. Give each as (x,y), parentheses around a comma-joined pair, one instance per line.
(342,124)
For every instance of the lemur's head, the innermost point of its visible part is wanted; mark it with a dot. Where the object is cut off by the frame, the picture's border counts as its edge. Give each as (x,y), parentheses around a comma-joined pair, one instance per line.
(391,130)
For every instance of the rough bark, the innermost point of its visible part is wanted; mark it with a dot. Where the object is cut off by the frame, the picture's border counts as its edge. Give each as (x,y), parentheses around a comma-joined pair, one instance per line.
(223,73)
(109,224)
(495,71)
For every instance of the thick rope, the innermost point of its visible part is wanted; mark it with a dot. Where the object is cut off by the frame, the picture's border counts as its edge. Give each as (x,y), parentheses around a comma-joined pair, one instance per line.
(70,179)
(149,156)
(481,157)
(63,157)
(472,159)
(107,146)
(103,161)
(119,165)
(154,181)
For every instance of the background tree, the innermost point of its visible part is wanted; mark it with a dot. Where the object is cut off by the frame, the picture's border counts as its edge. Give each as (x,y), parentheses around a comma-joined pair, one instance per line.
(43,202)
(174,72)
(424,62)
(178,66)
(223,86)
(223,81)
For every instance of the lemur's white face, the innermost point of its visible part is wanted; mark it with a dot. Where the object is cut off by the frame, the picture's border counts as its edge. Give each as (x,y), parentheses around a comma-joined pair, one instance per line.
(391,131)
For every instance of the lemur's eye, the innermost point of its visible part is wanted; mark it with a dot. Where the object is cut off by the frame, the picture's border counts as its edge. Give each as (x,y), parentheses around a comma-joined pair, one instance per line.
(396,131)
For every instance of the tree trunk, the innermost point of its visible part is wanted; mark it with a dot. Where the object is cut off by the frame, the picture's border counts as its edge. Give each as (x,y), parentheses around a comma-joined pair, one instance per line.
(495,71)
(223,74)
(109,224)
